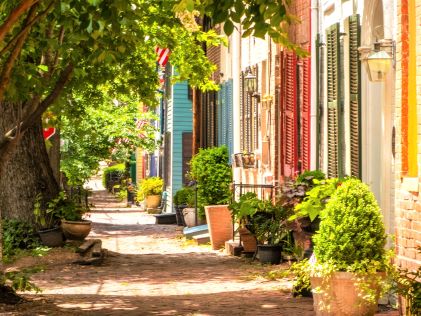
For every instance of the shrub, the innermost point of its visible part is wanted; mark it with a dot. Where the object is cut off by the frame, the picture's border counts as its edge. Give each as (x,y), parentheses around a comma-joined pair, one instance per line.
(113,175)
(213,174)
(18,235)
(150,186)
(184,196)
(352,235)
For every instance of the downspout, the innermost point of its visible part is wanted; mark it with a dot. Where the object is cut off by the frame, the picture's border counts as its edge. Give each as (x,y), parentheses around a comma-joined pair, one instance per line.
(314,28)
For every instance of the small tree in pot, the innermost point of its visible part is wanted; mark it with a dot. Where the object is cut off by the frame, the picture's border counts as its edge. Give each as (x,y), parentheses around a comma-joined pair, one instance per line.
(349,249)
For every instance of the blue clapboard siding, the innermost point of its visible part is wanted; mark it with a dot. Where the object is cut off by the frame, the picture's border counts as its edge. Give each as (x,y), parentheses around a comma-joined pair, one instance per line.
(225,116)
(182,121)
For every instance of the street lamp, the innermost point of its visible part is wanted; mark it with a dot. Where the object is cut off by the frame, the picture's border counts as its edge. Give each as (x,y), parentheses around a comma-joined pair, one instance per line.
(378,61)
(250,81)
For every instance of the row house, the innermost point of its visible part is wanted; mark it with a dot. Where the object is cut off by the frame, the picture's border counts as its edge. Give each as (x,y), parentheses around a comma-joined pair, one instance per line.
(281,114)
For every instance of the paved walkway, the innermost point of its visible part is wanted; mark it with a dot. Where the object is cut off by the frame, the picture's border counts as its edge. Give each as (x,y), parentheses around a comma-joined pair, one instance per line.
(151,270)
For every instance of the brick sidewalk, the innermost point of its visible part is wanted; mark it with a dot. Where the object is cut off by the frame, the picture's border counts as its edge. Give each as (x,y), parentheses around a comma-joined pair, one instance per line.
(152,271)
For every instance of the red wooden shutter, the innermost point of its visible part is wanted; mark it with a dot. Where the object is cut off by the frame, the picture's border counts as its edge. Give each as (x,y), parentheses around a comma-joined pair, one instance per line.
(305,115)
(289,111)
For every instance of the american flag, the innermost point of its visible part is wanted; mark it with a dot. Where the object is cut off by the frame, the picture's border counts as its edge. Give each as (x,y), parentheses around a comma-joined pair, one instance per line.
(163,55)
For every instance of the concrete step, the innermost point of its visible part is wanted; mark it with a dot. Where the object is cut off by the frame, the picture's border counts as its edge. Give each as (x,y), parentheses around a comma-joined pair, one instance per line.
(202,239)
(189,232)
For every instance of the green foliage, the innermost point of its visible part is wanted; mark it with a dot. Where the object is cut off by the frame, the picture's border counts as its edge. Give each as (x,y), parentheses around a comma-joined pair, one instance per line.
(309,176)
(352,235)
(258,17)
(184,196)
(113,175)
(293,192)
(150,186)
(212,172)
(47,216)
(18,235)
(268,223)
(122,194)
(245,208)
(316,199)
(94,127)
(301,285)
(20,280)
(407,284)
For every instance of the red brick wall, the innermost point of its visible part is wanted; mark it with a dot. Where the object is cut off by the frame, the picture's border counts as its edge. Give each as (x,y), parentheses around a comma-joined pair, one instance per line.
(408,204)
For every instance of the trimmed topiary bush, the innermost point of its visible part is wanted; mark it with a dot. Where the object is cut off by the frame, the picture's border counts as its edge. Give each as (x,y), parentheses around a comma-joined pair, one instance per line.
(352,234)
(211,170)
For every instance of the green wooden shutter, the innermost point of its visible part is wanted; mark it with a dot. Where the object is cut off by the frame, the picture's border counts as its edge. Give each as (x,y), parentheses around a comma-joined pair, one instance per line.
(333,102)
(305,115)
(354,91)
(229,117)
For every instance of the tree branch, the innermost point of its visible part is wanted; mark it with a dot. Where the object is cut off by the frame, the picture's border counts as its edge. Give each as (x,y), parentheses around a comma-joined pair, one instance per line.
(55,93)
(7,68)
(10,138)
(27,27)
(14,17)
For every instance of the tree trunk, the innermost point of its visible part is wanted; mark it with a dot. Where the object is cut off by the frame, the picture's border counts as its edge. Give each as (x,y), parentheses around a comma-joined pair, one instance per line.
(27,173)
(54,154)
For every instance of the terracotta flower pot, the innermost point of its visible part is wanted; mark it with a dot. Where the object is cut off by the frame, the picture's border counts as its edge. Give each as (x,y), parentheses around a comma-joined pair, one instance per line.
(76,230)
(153,201)
(219,222)
(248,240)
(340,296)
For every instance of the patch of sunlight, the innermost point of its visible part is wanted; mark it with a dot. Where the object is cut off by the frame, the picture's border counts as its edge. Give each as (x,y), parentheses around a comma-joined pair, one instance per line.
(96,306)
(268,306)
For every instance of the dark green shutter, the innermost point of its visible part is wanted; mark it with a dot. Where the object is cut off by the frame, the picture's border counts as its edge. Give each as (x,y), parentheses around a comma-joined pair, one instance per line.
(229,117)
(354,94)
(242,114)
(333,102)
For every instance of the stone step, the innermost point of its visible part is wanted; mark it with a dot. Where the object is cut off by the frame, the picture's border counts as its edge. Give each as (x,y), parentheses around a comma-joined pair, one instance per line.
(189,232)
(202,239)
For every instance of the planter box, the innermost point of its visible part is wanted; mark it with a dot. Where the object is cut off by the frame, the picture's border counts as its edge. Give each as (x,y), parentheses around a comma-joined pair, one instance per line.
(340,297)
(219,221)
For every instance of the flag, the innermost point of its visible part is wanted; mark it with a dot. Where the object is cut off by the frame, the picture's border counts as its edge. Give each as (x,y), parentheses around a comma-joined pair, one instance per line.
(163,55)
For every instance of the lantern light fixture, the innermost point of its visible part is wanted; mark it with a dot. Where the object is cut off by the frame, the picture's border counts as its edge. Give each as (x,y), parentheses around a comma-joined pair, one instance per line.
(379,60)
(250,81)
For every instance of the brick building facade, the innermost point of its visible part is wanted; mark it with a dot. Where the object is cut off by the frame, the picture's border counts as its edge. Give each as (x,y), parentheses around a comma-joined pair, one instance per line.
(408,132)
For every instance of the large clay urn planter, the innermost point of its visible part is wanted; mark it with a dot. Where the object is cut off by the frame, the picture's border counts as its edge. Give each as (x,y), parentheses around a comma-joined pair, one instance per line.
(76,230)
(52,237)
(220,227)
(153,201)
(189,214)
(339,296)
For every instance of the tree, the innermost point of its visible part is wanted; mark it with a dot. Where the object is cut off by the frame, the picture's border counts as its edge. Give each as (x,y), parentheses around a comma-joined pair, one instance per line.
(51,49)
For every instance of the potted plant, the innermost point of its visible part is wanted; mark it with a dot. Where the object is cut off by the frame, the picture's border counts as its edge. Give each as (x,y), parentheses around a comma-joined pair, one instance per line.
(74,226)
(150,190)
(269,226)
(350,258)
(183,198)
(47,221)
(211,171)
(242,213)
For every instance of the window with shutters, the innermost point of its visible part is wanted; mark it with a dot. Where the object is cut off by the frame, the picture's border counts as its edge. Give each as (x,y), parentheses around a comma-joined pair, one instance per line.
(354,95)
(334,99)
(289,114)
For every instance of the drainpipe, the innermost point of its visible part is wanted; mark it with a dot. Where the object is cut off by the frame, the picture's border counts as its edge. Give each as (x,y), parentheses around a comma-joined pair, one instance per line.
(314,28)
